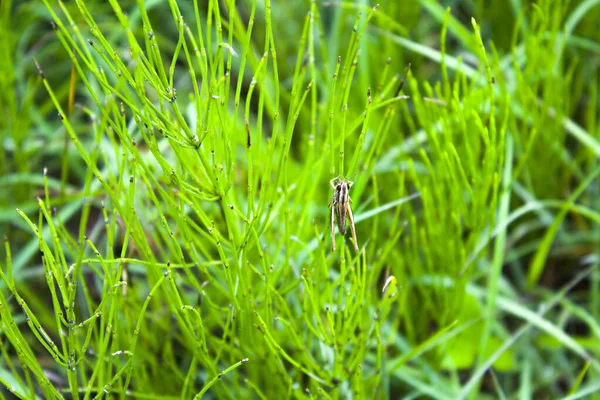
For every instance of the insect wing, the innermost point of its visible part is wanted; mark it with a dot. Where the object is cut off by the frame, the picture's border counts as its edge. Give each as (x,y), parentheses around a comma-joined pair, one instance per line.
(340,213)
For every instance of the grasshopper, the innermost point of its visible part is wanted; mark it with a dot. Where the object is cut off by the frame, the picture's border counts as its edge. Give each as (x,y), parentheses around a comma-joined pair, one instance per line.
(340,209)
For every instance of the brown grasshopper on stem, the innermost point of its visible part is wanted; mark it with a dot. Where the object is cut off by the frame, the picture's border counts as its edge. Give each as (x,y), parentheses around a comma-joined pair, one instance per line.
(340,209)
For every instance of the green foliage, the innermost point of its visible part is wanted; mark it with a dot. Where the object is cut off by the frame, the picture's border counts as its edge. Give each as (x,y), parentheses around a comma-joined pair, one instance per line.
(169,163)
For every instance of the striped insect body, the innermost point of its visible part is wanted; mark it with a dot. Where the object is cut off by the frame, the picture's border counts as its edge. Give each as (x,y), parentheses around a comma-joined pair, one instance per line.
(340,209)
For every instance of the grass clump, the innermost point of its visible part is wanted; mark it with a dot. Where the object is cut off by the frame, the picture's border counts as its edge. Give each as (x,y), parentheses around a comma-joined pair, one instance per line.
(176,244)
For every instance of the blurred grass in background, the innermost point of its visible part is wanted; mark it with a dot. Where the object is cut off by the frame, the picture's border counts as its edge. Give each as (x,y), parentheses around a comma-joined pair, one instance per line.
(169,163)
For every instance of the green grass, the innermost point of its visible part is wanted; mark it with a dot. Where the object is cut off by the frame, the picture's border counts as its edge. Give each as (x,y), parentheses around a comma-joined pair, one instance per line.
(165,174)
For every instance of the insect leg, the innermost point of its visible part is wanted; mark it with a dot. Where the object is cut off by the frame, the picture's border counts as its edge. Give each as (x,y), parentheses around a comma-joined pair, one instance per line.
(332,184)
(332,217)
(351,217)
